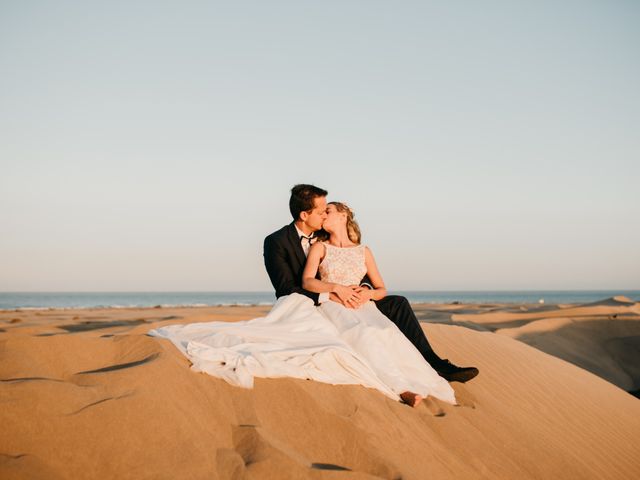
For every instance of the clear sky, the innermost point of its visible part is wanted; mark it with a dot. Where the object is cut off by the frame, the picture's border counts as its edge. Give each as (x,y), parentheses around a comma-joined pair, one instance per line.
(150,145)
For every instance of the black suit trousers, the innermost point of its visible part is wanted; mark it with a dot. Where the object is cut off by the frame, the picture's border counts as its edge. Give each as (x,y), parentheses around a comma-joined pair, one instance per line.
(398,310)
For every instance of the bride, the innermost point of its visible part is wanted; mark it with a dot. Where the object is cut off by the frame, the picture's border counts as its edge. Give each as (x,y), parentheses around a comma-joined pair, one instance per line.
(342,261)
(330,343)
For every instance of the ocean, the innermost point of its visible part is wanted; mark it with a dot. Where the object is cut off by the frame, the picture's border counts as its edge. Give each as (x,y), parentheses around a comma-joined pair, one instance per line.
(46,300)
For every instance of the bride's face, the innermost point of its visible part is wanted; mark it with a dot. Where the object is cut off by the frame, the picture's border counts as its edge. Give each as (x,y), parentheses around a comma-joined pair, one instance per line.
(334,219)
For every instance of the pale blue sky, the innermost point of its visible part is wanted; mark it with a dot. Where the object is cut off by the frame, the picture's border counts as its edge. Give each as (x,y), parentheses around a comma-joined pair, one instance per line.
(483,145)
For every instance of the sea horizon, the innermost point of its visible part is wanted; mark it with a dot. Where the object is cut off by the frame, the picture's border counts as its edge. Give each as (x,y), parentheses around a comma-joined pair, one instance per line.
(140,299)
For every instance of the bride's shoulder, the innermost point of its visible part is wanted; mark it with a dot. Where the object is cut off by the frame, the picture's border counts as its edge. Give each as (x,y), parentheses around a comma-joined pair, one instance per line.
(318,246)
(367,250)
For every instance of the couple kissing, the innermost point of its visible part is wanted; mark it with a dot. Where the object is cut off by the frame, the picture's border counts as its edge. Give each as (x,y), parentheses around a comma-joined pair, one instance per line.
(333,321)
(319,255)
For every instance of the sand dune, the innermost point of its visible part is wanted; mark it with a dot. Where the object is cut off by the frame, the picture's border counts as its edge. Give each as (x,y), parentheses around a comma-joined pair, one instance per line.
(86,394)
(602,337)
(612,306)
(608,347)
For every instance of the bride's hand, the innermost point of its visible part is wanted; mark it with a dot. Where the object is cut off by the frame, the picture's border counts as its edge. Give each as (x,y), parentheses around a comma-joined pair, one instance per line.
(348,295)
(335,298)
(364,294)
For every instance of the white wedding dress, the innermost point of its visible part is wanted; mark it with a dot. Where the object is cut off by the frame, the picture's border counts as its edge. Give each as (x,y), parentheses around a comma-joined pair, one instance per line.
(329,344)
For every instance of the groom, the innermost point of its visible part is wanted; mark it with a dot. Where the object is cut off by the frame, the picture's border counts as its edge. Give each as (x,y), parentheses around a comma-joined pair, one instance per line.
(285,253)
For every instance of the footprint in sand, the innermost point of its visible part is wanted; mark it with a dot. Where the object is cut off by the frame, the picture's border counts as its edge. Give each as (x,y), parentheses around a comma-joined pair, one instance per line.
(464,397)
(433,407)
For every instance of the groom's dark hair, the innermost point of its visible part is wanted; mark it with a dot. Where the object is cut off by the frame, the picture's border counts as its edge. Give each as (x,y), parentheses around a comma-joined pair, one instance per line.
(302,197)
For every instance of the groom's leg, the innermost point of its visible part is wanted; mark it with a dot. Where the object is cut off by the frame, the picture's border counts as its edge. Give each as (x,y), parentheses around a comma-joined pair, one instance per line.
(399,311)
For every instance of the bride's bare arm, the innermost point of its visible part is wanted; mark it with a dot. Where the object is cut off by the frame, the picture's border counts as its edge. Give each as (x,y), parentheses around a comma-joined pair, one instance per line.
(311,283)
(309,280)
(379,290)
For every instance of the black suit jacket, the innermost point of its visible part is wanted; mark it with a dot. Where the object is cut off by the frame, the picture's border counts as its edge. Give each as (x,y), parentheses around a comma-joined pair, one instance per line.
(285,260)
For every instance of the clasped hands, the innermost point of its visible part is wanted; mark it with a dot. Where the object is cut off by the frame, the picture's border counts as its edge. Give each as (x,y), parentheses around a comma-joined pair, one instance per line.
(352,296)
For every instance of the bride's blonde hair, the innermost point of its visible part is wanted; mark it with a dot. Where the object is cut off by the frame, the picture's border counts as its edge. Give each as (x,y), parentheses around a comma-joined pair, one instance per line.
(353,229)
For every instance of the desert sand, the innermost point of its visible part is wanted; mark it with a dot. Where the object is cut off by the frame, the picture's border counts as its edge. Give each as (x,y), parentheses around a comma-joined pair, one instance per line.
(87,394)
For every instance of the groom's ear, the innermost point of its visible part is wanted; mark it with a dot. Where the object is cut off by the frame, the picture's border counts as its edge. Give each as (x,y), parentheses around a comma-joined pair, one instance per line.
(304,216)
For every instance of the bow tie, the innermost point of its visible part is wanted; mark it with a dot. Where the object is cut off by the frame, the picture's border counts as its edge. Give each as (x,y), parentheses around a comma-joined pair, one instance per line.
(308,239)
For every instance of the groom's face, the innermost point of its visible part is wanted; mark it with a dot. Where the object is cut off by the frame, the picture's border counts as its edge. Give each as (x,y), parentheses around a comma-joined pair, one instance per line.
(317,215)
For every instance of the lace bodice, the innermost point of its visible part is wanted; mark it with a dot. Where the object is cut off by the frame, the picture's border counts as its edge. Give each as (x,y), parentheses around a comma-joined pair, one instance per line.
(345,266)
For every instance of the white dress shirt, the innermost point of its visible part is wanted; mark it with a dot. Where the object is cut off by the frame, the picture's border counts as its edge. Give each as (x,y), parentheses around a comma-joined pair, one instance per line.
(306,243)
